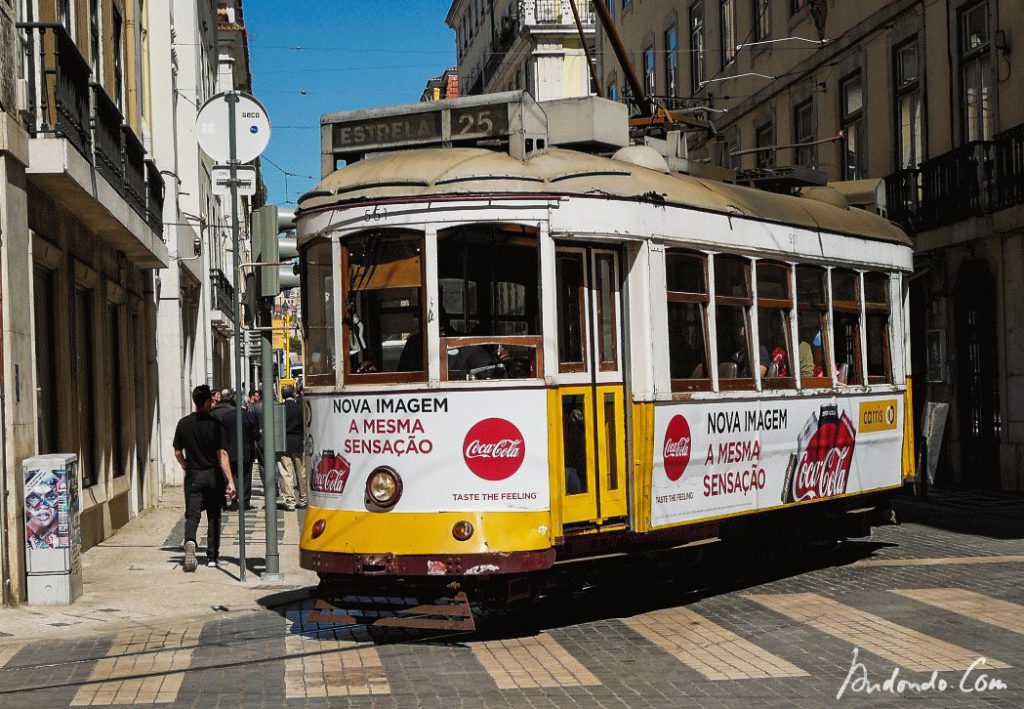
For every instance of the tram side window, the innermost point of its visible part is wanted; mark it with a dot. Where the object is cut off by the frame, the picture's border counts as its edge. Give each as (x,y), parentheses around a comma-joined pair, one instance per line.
(488,278)
(687,285)
(732,321)
(846,325)
(383,295)
(318,312)
(774,317)
(876,323)
(812,327)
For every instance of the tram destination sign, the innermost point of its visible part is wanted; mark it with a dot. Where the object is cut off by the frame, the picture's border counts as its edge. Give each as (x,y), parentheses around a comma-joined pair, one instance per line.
(387,130)
(352,135)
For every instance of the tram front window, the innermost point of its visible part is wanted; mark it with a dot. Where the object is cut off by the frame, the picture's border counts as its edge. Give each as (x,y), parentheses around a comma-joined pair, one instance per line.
(489,318)
(318,312)
(686,281)
(383,295)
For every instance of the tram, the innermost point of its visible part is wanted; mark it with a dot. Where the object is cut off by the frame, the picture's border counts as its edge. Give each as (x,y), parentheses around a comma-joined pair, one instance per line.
(528,342)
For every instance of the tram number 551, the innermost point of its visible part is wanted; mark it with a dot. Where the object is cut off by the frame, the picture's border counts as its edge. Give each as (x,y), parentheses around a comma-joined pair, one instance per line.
(479,121)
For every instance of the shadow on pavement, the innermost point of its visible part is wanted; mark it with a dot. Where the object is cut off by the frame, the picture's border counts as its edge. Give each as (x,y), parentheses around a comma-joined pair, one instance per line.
(986,514)
(592,591)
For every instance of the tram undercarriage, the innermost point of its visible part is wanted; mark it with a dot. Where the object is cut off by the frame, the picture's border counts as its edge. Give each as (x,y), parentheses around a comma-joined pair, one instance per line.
(375,593)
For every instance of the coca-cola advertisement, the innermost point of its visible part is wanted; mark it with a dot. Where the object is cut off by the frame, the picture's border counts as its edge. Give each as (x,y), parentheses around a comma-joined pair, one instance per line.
(454,450)
(330,473)
(494,449)
(676,449)
(723,458)
(821,465)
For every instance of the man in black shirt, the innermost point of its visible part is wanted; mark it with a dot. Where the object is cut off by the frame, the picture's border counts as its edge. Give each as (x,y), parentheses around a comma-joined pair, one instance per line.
(200,445)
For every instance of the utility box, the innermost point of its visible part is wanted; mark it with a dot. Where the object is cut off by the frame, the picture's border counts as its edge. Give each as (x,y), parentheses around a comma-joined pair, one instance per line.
(53,534)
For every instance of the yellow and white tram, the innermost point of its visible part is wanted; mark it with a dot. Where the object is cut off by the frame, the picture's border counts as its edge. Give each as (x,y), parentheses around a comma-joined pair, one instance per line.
(520,354)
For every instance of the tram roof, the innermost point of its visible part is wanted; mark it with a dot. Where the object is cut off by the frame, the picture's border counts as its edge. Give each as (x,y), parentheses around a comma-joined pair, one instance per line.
(424,173)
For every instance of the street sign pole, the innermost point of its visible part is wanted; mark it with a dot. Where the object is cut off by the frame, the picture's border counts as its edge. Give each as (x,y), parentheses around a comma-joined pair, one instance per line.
(232,98)
(240,147)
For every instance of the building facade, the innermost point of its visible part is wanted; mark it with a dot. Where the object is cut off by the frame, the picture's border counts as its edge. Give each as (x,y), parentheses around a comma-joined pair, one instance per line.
(531,45)
(443,86)
(105,216)
(908,106)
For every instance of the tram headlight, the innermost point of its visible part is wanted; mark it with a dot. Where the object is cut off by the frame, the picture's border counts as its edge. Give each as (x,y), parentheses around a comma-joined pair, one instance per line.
(383,487)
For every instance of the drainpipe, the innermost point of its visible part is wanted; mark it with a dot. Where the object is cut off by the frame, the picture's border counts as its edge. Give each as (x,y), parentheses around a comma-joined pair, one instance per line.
(7,592)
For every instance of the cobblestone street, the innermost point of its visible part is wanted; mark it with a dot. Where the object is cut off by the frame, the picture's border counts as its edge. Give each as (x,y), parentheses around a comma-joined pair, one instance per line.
(913,600)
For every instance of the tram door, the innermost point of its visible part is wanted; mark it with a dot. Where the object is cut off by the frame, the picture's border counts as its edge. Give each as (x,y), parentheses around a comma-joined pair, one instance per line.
(590,400)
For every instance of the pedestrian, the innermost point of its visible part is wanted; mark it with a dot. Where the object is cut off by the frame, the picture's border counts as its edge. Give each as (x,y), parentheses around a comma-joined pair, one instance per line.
(200,447)
(229,420)
(223,402)
(256,407)
(293,478)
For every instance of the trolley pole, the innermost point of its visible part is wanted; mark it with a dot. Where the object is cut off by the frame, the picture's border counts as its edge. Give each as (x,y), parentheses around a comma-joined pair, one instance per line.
(232,98)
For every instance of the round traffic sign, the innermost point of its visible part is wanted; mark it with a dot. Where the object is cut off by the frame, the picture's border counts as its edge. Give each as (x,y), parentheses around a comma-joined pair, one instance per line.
(252,127)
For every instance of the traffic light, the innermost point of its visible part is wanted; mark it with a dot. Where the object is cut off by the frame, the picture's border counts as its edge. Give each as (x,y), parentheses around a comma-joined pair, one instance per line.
(287,273)
(269,248)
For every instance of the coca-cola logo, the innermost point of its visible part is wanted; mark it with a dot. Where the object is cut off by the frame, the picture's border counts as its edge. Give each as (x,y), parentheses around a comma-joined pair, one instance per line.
(494,449)
(824,467)
(676,449)
(330,474)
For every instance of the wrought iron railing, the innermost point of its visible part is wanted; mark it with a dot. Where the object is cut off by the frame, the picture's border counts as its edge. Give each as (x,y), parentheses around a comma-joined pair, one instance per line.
(903,197)
(155,198)
(64,103)
(1008,168)
(979,178)
(953,185)
(134,170)
(555,12)
(222,293)
(107,138)
(58,78)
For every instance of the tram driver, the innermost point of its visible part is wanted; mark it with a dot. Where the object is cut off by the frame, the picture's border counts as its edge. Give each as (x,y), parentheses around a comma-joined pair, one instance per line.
(464,361)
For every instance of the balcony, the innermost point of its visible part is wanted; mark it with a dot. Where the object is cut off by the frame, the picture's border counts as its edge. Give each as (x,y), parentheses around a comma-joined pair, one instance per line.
(59,86)
(538,14)
(154,197)
(135,171)
(553,12)
(974,180)
(106,138)
(222,294)
(82,152)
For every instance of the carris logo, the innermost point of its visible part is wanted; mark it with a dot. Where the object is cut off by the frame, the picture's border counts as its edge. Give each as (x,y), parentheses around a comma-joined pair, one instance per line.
(676,449)
(494,449)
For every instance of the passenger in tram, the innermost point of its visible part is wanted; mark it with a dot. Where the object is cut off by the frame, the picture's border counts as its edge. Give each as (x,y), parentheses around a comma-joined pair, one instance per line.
(810,351)
(741,358)
(575,446)
(475,361)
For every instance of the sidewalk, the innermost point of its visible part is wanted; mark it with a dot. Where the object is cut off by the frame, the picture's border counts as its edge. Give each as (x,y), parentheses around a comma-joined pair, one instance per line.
(135,578)
(978,512)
